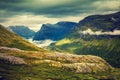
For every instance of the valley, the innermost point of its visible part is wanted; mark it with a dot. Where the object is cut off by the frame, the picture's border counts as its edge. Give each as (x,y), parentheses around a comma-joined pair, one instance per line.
(88,50)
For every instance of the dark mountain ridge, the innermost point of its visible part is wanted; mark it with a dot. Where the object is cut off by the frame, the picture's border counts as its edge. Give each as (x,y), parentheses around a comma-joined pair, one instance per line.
(22,31)
(108,22)
(55,31)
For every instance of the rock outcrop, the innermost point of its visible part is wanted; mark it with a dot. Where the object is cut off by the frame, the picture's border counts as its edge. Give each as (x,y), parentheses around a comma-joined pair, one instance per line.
(11,59)
(77,63)
(70,62)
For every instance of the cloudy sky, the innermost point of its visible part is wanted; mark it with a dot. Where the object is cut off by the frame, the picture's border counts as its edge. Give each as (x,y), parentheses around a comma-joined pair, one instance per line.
(34,13)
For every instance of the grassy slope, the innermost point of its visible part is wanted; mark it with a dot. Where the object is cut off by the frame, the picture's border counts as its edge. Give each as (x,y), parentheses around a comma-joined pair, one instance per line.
(42,71)
(10,39)
(106,48)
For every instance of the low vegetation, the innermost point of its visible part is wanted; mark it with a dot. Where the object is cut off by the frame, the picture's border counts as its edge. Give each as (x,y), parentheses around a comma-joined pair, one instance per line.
(12,40)
(51,66)
(107,48)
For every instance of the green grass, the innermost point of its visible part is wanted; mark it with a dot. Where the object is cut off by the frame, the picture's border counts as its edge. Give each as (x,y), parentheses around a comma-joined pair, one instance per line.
(10,39)
(42,71)
(45,72)
(108,49)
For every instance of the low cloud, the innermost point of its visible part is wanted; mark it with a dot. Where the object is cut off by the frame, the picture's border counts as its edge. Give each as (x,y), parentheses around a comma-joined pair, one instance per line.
(57,8)
(89,31)
(41,43)
(108,5)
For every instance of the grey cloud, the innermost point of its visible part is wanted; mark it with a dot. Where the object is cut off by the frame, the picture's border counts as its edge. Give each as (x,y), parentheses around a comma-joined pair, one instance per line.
(62,9)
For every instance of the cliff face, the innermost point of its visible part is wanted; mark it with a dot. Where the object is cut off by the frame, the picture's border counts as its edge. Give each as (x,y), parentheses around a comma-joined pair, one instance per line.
(55,31)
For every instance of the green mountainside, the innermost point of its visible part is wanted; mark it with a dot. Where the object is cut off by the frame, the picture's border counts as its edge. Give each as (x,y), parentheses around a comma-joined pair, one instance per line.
(105,46)
(10,39)
(17,64)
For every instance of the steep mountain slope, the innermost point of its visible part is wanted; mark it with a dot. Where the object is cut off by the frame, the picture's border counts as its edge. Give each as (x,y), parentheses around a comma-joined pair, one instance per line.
(22,31)
(96,35)
(55,31)
(108,22)
(10,39)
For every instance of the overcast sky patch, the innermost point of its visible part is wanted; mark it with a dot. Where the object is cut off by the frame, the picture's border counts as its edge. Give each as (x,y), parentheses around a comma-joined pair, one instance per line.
(33,13)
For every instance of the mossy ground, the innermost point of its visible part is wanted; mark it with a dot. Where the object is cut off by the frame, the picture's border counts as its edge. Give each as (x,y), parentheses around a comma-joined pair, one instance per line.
(42,71)
(45,72)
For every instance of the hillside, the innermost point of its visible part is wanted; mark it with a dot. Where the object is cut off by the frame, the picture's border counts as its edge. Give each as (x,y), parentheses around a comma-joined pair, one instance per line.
(96,35)
(17,64)
(29,65)
(22,31)
(54,31)
(46,65)
(9,39)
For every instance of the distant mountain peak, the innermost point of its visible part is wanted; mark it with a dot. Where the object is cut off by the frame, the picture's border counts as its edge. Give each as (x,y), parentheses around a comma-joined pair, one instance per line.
(22,31)
(55,31)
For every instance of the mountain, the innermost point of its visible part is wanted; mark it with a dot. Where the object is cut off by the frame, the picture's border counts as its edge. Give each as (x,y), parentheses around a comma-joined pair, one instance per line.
(22,31)
(108,22)
(95,35)
(17,64)
(54,31)
(9,39)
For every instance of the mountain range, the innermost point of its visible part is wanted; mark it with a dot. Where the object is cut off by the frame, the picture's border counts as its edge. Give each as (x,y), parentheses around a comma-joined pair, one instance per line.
(96,35)
(55,31)
(21,60)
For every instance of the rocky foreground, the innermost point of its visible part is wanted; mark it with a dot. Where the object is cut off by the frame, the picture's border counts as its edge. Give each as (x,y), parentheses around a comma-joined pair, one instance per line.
(75,63)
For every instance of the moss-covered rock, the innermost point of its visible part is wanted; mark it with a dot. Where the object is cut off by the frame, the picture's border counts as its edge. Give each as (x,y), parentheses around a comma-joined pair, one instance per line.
(76,63)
